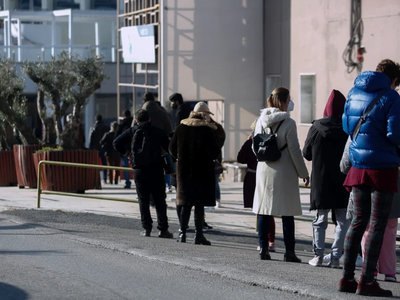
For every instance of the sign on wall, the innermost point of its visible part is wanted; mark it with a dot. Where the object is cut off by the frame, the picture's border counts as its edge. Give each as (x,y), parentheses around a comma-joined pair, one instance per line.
(138,44)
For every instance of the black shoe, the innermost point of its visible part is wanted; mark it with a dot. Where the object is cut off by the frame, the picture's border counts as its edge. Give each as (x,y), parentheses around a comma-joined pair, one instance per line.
(182,238)
(145,232)
(206,226)
(165,234)
(200,239)
(264,254)
(127,187)
(290,256)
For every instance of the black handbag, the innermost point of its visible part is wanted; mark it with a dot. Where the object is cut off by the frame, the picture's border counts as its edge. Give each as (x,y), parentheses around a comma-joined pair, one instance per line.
(168,164)
(218,168)
(265,145)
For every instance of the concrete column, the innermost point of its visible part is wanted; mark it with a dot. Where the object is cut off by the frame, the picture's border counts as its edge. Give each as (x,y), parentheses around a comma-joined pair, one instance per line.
(90,111)
(53,35)
(47,5)
(113,37)
(10,4)
(85,5)
(70,31)
(97,38)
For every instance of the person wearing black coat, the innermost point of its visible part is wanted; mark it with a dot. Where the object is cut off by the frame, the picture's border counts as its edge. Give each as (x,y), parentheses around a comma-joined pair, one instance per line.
(112,155)
(149,177)
(125,124)
(96,134)
(324,147)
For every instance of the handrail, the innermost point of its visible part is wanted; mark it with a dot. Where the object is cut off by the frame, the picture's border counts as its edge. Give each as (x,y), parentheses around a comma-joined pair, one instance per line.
(66,164)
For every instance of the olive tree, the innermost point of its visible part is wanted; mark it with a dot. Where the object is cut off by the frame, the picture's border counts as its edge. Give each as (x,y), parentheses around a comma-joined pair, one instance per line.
(12,105)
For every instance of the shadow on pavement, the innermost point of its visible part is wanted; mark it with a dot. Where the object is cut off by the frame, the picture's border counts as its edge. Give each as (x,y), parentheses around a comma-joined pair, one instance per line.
(10,292)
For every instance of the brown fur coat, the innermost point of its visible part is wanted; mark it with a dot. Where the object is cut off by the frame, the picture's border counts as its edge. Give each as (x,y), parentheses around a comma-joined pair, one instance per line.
(195,147)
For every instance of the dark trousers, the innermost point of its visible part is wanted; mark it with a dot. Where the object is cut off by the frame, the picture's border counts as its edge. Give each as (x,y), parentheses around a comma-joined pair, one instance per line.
(113,162)
(151,181)
(104,163)
(371,211)
(184,216)
(264,222)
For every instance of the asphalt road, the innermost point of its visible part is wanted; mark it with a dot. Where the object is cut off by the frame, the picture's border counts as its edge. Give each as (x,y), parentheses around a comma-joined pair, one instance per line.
(58,255)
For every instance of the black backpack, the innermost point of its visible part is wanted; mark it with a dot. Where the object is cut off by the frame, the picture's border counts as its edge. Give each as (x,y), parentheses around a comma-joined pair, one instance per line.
(265,145)
(142,149)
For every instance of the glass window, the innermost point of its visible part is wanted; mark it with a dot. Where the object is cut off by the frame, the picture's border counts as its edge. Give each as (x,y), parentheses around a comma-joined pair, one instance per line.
(307,98)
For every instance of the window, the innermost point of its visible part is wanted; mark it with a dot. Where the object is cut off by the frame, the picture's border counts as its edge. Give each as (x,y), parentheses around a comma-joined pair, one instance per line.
(307,98)
(272,82)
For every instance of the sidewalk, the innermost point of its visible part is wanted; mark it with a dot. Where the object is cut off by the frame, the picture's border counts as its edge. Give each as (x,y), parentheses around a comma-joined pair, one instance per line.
(231,216)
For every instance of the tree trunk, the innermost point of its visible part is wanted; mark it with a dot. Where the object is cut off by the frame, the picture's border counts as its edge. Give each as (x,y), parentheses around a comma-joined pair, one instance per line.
(3,140)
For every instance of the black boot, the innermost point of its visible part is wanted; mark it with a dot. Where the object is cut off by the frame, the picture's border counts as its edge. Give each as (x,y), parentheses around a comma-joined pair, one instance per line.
(183,221)
(199,238)
(290,256)
(264,254)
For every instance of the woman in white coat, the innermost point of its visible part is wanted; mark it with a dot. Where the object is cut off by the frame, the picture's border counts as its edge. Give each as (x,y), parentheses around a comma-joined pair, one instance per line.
(277,183)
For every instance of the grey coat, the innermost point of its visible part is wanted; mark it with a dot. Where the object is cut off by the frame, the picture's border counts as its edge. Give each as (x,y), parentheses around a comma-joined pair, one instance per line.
(345,166)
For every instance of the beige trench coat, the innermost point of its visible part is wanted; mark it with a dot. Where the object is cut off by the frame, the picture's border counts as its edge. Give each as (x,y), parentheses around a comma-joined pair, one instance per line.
(277,183)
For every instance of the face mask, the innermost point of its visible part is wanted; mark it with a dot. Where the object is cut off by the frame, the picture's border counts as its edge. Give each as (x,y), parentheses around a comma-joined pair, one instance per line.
(290,106)
(174,105)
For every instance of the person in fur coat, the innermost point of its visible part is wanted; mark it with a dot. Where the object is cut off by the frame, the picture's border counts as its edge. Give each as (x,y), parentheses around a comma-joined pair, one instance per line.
(277,183)
(195,147)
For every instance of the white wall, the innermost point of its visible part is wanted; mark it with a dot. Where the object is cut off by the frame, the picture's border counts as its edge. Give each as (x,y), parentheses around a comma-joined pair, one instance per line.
(214,50)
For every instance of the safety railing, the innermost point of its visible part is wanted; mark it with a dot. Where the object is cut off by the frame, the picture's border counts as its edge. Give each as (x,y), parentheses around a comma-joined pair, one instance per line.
(76,165)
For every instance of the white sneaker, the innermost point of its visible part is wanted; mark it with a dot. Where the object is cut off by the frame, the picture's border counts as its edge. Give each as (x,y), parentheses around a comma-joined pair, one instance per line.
(326,259)
(359,261)
(218,204)
(168,189)
(316,261)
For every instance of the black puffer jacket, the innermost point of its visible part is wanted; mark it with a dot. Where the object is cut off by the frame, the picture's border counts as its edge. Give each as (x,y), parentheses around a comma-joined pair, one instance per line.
(324,146)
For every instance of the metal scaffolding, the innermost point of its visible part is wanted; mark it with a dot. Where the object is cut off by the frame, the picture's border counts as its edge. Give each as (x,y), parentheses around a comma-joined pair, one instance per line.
(136,13)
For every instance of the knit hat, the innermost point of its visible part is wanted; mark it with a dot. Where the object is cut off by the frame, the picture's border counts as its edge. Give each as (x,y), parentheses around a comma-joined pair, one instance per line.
(202,107)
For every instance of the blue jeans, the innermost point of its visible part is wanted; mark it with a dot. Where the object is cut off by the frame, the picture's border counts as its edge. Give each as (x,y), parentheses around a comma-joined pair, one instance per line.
(217,189)
(127,174)
(104,163)
(168,181)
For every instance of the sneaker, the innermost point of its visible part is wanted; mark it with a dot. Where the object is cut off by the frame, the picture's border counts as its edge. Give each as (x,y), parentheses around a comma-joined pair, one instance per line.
(145,232)
(206,226)
(334,263)
(347,286)
(316,261)
(168,189)
(326,259)
(390,277)
(127,187)
(372,289)
(165,234)
(218,204)
(271,247)
(359,261)
(258,248)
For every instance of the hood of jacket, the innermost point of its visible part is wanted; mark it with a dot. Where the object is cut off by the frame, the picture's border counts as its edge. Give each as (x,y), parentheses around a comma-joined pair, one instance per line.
(271,115)
(151,107)
(198,119)
(370,81)
(330,127)
(335,105)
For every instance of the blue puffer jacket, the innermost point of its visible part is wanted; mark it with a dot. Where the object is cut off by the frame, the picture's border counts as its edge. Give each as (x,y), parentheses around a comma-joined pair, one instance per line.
(375,146)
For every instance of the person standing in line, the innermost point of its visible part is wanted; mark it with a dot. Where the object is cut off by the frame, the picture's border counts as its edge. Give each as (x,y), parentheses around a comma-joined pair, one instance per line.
(195,147)
(96,134)
(324,147)
(183,109)
(125,124)
(387,257)
(146,144)
(247,156)
(374,172)
(277,186)
(112,155)
(180,111)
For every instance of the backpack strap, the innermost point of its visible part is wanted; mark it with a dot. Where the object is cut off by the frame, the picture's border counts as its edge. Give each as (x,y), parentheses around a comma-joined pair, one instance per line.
(364,117)
(280,123)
